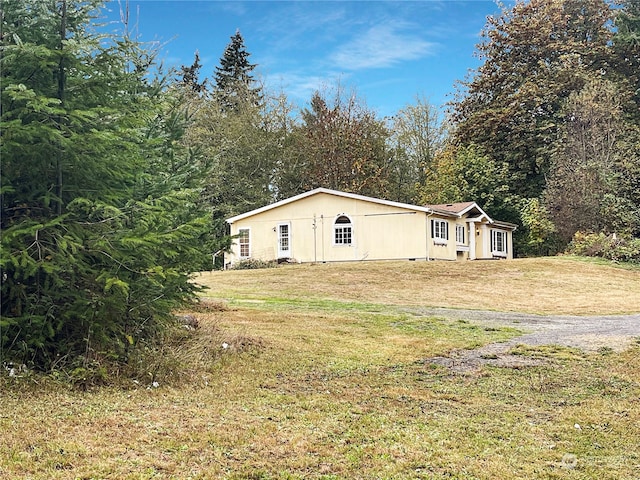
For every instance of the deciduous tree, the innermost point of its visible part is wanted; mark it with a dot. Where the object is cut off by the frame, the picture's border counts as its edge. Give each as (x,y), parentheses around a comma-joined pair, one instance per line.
(627,48)
(535,55)
(417,135)
(461,174)
(583,191)
(343,146)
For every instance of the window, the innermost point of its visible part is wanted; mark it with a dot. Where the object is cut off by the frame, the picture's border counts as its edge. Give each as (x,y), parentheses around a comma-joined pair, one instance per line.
(460,234)
(283,240)
(499,243)
(243,241)
(439,231)
(342,231)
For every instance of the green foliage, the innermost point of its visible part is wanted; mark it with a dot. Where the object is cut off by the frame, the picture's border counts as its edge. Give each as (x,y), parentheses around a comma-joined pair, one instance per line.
(627,46)
(101,213)
(253,264)
(343,146)
(540,230)
(460,174)
(611,247)
(556,99)
(588,187)
(240,157)
(416,135)
(535,54)
(191,77)
(234,83)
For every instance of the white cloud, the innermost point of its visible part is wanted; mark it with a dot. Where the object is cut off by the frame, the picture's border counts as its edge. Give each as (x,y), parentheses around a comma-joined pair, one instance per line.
(380,47)
(301,86)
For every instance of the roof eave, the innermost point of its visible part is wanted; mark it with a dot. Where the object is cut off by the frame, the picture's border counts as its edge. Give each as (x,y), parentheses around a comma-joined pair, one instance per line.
(328,191)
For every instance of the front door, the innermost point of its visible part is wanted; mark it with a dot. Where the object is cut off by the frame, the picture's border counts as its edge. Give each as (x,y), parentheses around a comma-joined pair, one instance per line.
(284,241)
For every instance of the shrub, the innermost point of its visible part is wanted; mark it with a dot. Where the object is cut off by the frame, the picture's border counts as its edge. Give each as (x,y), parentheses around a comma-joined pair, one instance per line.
(611,247)
(253,264)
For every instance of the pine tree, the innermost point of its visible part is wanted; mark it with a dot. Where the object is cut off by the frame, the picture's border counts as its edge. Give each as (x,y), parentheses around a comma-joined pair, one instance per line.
(99,232)
(233,79)
(191,76)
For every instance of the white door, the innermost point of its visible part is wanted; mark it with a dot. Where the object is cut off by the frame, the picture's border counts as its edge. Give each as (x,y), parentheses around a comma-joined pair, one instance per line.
(284,240)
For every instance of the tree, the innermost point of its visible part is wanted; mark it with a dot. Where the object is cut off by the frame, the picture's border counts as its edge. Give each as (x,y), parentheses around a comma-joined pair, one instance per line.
(540,237)
(583,191)
(535,55)
(246,151)
(627,48)
(234,83)
(99,232)
(283,138)
(191,76)
(417,135)
(461,174)
(343,146)
(628,22)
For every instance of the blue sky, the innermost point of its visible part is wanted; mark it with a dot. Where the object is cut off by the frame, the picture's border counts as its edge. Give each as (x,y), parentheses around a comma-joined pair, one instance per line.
(389,52)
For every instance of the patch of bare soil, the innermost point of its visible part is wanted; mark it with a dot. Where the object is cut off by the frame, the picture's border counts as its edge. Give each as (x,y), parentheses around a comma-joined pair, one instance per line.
(589,333)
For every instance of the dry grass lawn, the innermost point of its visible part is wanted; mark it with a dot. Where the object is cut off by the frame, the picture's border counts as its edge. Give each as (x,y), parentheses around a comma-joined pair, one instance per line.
(554,286)
(313,372)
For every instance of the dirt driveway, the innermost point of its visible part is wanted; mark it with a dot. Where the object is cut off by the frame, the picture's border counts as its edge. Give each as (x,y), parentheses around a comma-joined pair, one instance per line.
(617,332)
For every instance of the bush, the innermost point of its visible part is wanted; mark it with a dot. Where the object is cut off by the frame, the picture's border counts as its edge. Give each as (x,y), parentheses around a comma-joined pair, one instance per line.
(611,247)
(253,264)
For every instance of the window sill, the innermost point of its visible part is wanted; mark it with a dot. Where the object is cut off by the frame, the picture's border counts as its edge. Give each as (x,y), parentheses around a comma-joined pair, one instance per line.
(439,241)
(462,248)
(499,254)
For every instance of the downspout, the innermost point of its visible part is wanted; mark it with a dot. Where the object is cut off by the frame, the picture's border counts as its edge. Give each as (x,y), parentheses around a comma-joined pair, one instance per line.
(427,234)
(323,239)
(315,240)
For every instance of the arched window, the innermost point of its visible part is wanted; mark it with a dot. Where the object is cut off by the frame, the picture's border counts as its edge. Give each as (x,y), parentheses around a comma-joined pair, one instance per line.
(342,230)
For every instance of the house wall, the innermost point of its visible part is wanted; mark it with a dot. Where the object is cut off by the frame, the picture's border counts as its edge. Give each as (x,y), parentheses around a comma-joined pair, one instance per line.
(379,232)
(462,249)
(483,245)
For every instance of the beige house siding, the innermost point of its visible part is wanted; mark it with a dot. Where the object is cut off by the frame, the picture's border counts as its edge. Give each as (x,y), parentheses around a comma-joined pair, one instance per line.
(380,230)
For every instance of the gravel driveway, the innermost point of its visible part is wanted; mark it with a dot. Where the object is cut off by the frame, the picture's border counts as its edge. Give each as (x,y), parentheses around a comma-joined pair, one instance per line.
(617,332)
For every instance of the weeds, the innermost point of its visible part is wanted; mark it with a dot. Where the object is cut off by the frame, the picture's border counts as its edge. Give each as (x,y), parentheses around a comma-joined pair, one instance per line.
(336,388)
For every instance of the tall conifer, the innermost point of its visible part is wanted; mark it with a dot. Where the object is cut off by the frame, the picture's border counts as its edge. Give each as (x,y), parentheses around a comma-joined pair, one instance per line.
(98,229)
(233,79)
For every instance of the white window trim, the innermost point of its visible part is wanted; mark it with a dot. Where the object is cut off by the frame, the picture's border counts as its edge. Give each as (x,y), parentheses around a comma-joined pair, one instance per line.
(248,229)
(436,235)
(494,235)
(463,229)
(280,251)
(341,225)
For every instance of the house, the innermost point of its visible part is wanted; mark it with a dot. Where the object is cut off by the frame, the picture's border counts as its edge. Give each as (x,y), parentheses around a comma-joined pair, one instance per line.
(325,225)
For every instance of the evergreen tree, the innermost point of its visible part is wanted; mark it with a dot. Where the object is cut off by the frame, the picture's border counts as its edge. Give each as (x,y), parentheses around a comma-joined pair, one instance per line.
(234,83)
(98,221)
(191,76)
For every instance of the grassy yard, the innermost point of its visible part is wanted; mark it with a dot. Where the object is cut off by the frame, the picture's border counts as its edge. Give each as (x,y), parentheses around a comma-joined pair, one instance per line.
(323,372)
